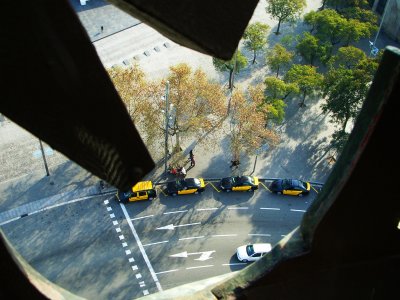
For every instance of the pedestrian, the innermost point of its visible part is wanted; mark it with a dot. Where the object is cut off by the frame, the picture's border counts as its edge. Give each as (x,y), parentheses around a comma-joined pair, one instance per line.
(234,163)
(192,162)
(102,28)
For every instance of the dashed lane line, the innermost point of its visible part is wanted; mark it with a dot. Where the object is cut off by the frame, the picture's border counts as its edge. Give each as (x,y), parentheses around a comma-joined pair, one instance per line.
(141,248)
(298,210)
(270,208)
(198,267)
(138,218)
(156,243)
(223,235)
(175,212)
(234,264)
(169,271)
(192,238)
(203,209)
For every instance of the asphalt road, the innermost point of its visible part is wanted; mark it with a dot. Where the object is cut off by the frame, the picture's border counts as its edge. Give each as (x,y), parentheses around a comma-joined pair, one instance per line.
(99,248)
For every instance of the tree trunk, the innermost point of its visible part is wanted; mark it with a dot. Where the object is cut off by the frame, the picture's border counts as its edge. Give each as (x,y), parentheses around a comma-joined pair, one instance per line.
(177,147)
(230,79)
(254,58)
(277,72)
(301,104)
(312,60)
(279,26)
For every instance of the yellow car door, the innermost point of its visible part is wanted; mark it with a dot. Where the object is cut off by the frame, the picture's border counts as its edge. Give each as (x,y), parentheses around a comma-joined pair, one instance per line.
(291,192)
(187,191)
(142,196)
(133,197)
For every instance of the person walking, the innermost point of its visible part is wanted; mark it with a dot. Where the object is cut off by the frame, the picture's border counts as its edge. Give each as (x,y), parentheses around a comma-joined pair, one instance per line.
(101,28)
(191,157)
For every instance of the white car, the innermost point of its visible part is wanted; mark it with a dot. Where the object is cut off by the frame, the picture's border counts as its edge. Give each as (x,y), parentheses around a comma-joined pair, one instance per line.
(252,252)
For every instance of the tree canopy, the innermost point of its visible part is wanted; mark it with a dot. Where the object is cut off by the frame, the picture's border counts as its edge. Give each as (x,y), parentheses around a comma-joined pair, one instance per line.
(249,113)
(347,57)
(255,37)
(235,64)
(278,57)
(199,104)
(306,78)
(285,10)
(311,48)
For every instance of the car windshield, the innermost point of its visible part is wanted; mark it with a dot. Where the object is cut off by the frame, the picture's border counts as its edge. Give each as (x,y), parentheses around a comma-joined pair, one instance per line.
(246,180)
(250,250)
(181,184)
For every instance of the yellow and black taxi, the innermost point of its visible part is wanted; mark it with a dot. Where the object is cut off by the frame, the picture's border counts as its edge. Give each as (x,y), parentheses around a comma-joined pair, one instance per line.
(290,187)
(185,186)
(143,190)
(239,183)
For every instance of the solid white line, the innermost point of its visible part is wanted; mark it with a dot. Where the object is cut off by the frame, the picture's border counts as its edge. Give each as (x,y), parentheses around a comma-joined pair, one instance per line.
(270,208)
(300,210)
(155,243)
(167,271)
(238,207)
(175,212)
(222,235)
(200,267)
(11,220)
(146,259)
(213,208)
(142,217)
(234,264)
(183,225)
(191,238)
(260,234)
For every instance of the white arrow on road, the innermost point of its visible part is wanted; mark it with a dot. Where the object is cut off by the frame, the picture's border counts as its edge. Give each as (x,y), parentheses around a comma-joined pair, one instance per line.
(172,226)
(205,255)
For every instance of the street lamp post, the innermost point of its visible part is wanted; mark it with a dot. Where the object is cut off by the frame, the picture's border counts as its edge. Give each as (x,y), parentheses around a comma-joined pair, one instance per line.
(374,49)
(44,158)
(166,125)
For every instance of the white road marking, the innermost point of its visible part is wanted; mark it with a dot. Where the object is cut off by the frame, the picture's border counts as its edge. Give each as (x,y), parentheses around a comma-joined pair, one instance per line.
(204,255)
(237,207)
(112,216)
(155,243)
(134,268)
(124,245)
(109,208)
(106,202)
(11,220)
(121,237)
(283,235)
(145,292)
(169,271)
(138,218)
(299,210)
(191,238)
(213,208)
(115,222)
(172,226)
(142,284)
(270,208)
(128,252)
(146,259)
(138,276)
(207,266)
(175,212)
(131,259)
(259,234)
(222,235)
(118,229)
(234,264)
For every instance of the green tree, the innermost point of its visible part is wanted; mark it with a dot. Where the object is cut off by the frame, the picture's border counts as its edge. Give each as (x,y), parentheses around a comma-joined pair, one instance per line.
(328,23)
(355,30)
(345,90)
(255,37)
(276,91)
(347,57)
(306,78)
(285,10)
(249,113)
(310,48)
(199,104)
(237,63)
(278,57)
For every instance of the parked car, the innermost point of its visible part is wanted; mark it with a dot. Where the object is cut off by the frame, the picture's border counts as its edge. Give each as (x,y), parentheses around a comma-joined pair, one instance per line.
(252,252)
(290,187)
(143,190)
(239,183)
(185,186)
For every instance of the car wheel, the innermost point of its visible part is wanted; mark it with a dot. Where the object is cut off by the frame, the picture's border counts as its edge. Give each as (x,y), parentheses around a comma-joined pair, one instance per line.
(279,193)
(228,190)
(301,195)
(151,198)
(245,260)
(174,194)
(196,192)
